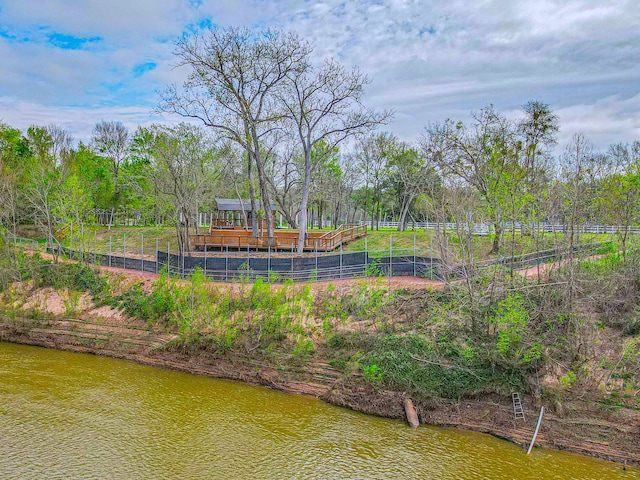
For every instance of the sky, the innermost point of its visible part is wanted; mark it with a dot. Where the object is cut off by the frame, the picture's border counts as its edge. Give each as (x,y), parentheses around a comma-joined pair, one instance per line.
(77,62)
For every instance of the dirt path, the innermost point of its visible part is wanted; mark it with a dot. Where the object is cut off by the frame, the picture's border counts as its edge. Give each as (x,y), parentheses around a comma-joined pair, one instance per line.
(409,283)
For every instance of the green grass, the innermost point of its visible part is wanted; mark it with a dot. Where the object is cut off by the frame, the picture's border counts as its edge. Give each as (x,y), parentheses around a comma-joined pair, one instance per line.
(99,239)
(377,243)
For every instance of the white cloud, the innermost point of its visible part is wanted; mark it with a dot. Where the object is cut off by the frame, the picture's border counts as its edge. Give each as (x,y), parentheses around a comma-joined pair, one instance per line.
(604,122)
(79,121)
(428,60)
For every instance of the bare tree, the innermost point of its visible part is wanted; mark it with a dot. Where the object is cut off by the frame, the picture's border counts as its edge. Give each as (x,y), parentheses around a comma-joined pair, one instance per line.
(285,181)
(232,88)
(112,140)
(185,170)
(61,143)
(579,168)
(481,156)
(410,175)
(325,106)
(372,156)
(41,194)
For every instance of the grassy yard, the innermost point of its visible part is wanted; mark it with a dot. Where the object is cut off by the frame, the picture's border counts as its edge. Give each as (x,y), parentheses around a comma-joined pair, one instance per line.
(101,240)
(378,243)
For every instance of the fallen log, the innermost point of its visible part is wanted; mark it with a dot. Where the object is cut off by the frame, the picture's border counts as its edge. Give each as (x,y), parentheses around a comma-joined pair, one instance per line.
(412,414)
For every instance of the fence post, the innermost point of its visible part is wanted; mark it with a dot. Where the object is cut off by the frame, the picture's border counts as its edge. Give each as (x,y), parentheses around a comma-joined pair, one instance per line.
(414,255)
(95,247)
(205,260)
(316,253)
(292,262)
(182,270)
(124,250)
(142,244)
(168,258)
(366,255)
(226,264)
(269,263)
(390,256)
(157,259)
(431,257)
(340,260)
(110,238)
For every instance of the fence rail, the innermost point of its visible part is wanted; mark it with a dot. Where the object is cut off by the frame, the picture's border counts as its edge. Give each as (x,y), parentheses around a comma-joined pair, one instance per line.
(233,266)
(485,229)
(27,243)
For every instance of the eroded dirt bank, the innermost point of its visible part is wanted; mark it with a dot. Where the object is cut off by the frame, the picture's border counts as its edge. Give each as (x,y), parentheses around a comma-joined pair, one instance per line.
(612,434)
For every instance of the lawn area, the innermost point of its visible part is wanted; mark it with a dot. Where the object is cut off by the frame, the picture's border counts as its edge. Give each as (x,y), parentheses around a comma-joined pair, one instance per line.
(100,239)
(97,239)
(378,243)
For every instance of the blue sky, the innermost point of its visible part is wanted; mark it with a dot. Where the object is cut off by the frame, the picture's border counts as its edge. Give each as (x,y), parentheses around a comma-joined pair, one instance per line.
(76,62)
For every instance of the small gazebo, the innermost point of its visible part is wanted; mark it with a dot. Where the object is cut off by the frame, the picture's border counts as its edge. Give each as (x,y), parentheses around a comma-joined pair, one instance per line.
(231,228)
(235,214)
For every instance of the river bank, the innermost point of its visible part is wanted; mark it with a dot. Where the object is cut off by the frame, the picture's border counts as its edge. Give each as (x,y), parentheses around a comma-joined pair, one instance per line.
(610,434)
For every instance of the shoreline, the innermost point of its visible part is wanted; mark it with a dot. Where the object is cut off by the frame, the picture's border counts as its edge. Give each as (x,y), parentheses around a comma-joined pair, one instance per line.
(490,414)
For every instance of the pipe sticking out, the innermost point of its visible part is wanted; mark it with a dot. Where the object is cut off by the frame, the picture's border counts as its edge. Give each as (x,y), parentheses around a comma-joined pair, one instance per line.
(535,434)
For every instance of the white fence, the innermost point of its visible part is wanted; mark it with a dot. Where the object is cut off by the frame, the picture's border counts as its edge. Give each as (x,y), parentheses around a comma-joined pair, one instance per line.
(484,229)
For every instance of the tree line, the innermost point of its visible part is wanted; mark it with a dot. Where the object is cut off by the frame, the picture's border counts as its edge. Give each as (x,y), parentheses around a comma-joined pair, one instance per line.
(268,121)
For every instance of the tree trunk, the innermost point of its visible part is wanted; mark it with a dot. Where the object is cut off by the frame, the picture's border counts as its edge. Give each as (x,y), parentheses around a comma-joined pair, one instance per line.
(264,187)
(495,249)
(291,220)
(402,221)
(302,231)
(254,203)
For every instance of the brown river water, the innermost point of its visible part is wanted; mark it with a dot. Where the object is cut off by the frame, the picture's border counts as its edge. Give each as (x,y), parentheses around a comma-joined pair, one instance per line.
(70,415)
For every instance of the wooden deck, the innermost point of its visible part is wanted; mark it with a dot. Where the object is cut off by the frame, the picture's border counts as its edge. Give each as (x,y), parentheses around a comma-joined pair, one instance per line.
(240,239)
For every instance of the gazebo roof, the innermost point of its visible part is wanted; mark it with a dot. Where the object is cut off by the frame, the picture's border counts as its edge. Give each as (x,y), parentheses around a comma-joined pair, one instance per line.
(235,205)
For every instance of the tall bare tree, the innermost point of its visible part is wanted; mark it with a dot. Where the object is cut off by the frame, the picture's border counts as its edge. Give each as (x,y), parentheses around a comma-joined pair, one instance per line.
(324,104)
(112,140)
(485,156)
(372,155)
(61,143)
(579,170)
(185,169)
(232,88)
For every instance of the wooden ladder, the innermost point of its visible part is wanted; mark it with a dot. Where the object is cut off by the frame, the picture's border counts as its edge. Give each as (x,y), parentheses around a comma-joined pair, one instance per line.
(517,406)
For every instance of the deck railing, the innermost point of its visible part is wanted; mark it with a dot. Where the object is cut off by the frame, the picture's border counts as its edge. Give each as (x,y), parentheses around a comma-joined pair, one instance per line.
(283,239)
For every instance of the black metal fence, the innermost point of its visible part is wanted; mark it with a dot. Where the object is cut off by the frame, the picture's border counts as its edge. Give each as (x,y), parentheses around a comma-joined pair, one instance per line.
(275,268)
(232,267)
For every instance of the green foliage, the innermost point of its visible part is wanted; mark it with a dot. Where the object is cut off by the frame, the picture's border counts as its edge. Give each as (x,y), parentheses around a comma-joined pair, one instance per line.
(304,348)
(75,276)
(443,367)
(568,380)
(273,277)
(136,303)
(374,268)
(510,320)
(366,301)
(372,374)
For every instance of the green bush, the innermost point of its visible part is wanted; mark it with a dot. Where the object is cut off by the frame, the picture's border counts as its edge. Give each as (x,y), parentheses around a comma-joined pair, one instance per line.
(74,276)
(443,368)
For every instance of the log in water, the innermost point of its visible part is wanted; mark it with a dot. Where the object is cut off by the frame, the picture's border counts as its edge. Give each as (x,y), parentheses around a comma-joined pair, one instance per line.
(412,415)
(69,415)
